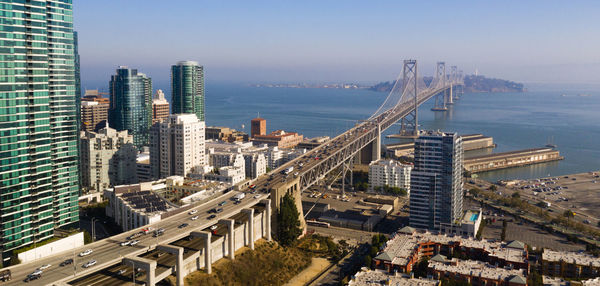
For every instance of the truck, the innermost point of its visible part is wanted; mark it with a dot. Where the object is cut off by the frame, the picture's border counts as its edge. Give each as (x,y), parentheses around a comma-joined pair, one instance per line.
(239,196)
(288,170)
(5,275)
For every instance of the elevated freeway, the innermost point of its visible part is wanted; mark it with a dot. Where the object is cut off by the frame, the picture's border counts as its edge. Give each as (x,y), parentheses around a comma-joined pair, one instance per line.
(362,142)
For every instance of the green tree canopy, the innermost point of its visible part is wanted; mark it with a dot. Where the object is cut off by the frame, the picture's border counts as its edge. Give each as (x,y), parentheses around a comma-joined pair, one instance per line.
(289,224)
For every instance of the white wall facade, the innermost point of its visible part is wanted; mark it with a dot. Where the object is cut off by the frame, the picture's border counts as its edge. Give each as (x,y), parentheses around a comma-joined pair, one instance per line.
(51,248)
(391,173)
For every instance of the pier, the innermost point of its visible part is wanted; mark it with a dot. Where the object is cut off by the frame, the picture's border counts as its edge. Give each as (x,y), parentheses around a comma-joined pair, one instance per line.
(470,142)
(511,159)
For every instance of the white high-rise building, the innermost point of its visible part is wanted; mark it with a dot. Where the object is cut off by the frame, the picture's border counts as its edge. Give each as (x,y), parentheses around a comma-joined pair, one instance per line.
(436,183)
(177,146)
(107,159)
(256,164)
(389,173)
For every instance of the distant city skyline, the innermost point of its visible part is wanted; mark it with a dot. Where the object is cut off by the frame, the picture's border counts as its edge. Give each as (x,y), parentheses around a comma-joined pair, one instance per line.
(270,41)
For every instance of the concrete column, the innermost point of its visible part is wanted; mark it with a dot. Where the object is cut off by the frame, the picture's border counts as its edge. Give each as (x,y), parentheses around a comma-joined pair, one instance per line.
(147,264)
(250,213)
(450,96)
(376,155)
(207,236)
(230,236)
(267,218)
(178,251)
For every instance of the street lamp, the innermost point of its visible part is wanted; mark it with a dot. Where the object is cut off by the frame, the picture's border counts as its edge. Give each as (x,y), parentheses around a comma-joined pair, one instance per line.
(94,229)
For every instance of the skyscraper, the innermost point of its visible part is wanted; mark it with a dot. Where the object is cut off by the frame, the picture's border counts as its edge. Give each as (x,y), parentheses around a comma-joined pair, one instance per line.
(94,111)
(38,122)
(177,146)
(187,83)
(160,107)
(131,104)
(436,182)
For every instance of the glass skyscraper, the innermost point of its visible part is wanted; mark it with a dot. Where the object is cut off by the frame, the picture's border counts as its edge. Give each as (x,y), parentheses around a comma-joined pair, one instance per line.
(187,83)
(131,104)
(38,129)
(436,183)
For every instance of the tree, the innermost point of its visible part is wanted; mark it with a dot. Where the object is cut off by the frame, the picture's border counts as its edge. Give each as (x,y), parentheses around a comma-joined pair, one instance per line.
(516,195)
(289,224)
(87,238)
(568,214)
(493,188)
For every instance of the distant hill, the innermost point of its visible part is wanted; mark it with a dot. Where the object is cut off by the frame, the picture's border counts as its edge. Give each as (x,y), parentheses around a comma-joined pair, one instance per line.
(472,84)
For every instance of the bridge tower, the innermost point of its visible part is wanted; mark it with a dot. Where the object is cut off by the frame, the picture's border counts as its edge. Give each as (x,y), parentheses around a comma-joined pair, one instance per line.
(453,79)
(410,122)
(460,87)
(440,79)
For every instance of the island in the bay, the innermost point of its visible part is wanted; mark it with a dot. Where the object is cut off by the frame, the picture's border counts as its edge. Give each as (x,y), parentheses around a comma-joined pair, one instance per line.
(473,83)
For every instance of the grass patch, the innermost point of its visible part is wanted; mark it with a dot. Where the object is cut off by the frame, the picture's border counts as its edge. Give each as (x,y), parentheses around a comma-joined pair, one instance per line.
(268,264)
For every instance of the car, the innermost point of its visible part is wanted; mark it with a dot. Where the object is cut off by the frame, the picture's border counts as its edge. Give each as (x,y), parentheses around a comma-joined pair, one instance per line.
(85,253)
(66,262)
(89,264)
(125,243)
(211,216)
(222,203)
(183,225)
(134,242)
(237,202)
(194,217)
(193,212)
(32,277)
(121,272)
(37,272)
(219,210)
(147,229)
(257,196)
(213,227)
(44,267)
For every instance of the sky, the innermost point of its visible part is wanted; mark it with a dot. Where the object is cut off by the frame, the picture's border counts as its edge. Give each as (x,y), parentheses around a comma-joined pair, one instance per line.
(339,41)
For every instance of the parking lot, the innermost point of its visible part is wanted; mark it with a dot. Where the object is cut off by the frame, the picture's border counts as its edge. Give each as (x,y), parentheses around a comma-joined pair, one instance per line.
(579,193)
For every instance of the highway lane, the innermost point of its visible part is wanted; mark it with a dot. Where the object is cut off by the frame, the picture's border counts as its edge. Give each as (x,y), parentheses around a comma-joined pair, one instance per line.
(107,250)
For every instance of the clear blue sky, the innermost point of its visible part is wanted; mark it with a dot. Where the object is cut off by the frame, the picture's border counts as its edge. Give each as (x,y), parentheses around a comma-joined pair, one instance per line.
(364,41)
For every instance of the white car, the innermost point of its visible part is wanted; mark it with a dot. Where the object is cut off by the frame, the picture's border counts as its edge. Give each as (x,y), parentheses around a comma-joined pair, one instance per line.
(134,242)
(121,272)
(90,263)
(37,272)
(87,252)
(44,267)
(193,212)
(125,243)
(257,196)
(213,227)
(194,217)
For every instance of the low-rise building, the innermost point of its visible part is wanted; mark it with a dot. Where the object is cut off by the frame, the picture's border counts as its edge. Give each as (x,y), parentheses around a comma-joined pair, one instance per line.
(367,277)
(409,246)
(389,173)
(136,205)
(229,174)
(225,134)
(570,264)
(279,138)
(476,272)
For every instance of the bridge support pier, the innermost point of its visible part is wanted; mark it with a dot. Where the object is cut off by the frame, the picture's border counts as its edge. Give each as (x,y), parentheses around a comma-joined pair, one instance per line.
(267,219)
(147,264)
(177,251)
(449,95)
(230,236)
(250,213)
(207,236)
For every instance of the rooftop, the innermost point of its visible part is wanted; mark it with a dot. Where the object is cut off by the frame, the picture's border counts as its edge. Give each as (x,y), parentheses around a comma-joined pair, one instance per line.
(379,277)
(404,245)
(571,257)
(479,269)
